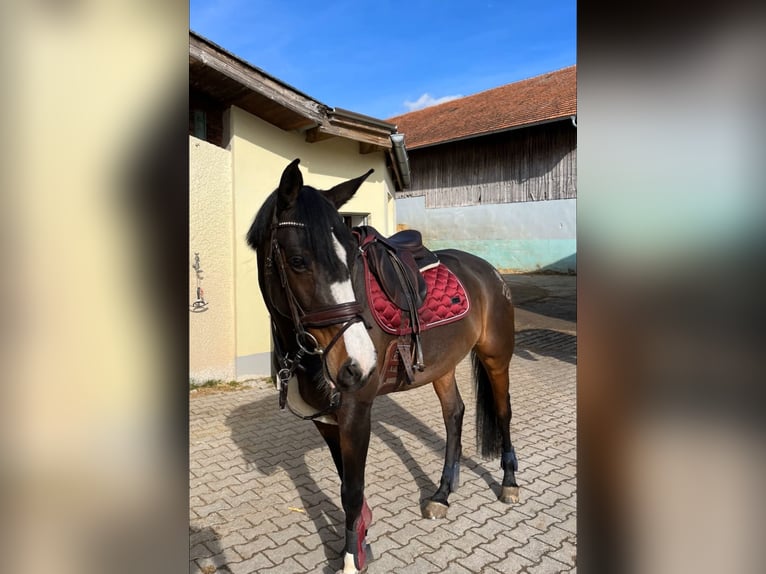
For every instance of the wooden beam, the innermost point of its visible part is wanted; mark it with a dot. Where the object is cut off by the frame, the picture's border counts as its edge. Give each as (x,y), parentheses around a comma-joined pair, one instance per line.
(371,143)
(256,81)
(365,148)
(316,135)
(356,135)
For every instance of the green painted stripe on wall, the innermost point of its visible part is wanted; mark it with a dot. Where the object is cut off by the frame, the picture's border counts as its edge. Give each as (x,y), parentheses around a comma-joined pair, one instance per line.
(521,255)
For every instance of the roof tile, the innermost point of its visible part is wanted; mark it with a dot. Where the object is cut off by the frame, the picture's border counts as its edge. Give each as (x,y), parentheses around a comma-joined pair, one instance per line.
(543,98)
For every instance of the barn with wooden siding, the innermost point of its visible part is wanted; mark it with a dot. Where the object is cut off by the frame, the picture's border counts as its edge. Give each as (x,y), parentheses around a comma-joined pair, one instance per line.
(495,173)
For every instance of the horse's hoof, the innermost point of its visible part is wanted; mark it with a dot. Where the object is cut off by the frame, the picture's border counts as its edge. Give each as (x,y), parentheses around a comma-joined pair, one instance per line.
(434,510)
(509,494)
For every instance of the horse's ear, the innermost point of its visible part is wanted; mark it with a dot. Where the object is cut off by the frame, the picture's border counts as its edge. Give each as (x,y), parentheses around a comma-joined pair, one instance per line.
(342,192)
(289,186)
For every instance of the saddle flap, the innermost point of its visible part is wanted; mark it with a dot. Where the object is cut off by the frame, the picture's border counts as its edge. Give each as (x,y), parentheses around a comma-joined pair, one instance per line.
(396,277)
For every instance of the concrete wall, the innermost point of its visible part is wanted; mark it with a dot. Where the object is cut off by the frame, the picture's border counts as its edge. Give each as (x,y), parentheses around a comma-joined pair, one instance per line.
(260,152)
(211,227)
(514,237)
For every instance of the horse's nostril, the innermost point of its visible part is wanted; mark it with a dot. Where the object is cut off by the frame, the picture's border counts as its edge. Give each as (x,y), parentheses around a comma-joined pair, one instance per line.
(350,373)
(354,370)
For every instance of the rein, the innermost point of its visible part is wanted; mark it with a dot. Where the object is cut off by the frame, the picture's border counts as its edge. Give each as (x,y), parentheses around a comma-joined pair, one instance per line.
(342,313)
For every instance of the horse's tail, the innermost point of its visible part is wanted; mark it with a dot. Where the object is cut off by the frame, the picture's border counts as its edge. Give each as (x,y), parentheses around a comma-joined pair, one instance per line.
(489,438)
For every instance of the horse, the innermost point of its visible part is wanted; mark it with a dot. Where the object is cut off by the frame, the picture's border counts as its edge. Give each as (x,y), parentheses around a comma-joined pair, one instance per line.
(311,275)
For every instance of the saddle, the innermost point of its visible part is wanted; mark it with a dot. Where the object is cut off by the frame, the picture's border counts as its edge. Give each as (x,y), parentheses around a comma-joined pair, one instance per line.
(398,263)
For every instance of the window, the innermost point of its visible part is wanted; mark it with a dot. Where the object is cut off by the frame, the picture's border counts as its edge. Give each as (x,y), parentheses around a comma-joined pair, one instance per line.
(355,219)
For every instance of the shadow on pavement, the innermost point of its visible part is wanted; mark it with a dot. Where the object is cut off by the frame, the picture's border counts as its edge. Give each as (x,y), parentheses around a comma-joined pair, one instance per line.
(270,439)
(554,307)
(562,346)
(205,546)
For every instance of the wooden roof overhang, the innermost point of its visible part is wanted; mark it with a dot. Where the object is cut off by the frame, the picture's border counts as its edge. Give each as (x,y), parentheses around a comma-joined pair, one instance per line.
(224,78)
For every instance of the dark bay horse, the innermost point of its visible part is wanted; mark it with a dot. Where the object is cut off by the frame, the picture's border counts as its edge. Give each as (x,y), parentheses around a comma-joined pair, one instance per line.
(327,343)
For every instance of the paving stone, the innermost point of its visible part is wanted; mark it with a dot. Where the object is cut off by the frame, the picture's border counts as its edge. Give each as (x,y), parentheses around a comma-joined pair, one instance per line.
(477,560)
(199,551)
(219,562)
(201,534)
(312,561)
(409,532)
(289,549)
(410,552)
(419,566)
(554,536)
(511,562)
(541,521)
(570,524)
(468,541)
(522,532)
(383,545)
(534,549)
(548,565)
(384,564)
(445,556)
(566,554)
(560,510)
(203,511)
(253,547)
(288,566)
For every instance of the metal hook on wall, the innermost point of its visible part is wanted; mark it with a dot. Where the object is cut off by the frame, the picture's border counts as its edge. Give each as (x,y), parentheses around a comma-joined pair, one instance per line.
(199,305)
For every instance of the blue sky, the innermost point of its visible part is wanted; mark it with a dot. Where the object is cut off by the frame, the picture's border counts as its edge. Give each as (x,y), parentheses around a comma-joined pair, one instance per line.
(386,57)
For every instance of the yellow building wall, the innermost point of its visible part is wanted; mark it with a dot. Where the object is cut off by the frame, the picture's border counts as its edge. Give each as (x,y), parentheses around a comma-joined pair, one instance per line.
(260,152)
(212,344)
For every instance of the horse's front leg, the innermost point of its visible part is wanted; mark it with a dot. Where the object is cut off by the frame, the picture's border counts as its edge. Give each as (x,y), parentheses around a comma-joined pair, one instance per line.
(354,430)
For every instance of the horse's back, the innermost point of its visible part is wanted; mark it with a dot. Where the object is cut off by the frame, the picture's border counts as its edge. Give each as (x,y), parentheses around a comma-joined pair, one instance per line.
(484,285)
(477,275)
(491,303)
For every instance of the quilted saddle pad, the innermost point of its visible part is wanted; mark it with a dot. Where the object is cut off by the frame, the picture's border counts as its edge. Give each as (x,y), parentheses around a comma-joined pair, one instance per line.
(445,302)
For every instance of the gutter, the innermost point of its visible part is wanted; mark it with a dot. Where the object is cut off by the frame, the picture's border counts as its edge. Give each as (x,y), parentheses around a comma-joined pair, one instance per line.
(401,161)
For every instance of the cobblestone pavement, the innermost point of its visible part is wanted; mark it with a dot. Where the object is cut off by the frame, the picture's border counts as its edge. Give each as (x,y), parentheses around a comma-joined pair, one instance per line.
(265,497)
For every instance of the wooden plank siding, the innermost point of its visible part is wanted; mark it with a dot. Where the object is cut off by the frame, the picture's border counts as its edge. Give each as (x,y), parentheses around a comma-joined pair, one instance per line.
(532,164)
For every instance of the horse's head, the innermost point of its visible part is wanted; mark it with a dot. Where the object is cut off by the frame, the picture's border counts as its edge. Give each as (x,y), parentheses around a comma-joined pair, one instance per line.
(306,260)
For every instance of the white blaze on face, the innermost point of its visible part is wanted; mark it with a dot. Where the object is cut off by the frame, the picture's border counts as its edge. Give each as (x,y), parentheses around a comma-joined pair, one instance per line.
(358,343)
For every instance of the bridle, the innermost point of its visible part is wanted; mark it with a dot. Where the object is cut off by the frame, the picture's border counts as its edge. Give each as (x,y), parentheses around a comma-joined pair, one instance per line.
(346,314)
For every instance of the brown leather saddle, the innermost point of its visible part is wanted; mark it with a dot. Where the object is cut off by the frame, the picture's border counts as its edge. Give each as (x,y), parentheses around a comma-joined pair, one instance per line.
(397,262)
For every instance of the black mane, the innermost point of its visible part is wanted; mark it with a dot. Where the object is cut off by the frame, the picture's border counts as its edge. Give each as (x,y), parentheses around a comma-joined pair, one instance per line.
(259,230)
(316,212)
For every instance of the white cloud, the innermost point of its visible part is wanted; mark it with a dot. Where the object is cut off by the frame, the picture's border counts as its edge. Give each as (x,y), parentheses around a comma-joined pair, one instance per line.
(427,100)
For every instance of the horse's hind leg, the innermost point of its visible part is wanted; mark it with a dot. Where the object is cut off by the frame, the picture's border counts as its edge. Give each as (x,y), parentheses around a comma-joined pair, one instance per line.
(492,380)
(452,409)
(510,490)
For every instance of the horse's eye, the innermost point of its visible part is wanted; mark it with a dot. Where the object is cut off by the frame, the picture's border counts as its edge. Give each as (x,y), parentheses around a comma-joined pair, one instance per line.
(297,262)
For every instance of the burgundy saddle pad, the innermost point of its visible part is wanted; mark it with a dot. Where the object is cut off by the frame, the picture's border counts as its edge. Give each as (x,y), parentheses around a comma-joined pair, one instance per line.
(446,301)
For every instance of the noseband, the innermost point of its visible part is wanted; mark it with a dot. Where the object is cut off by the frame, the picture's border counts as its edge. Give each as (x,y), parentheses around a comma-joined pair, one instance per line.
(345,314)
